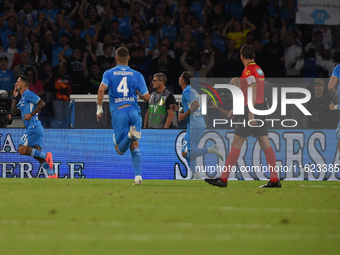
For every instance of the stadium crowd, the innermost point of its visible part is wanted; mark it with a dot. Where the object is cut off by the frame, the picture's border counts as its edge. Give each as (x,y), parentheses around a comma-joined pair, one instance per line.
(65,46)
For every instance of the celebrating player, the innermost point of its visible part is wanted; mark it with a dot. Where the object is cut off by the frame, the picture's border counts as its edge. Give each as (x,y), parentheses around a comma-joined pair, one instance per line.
(123,84)
(253,77)
(333,82)
(195,124)
(30,143)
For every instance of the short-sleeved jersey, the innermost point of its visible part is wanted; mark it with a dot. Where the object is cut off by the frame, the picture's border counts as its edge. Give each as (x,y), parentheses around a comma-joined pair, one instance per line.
(336,73)
(27,104)
(253,76)
(196,120)
(123,82)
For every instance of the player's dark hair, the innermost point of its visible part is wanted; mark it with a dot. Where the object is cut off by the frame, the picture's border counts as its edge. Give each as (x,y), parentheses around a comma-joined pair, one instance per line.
(161,77)
(122,54)
(187,76)
(26,80)
(248,51)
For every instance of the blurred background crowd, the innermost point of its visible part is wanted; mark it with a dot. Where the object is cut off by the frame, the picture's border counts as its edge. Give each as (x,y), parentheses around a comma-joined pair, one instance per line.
(65,46)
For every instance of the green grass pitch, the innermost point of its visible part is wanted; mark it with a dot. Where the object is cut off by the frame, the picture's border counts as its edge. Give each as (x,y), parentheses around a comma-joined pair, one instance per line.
(95,216)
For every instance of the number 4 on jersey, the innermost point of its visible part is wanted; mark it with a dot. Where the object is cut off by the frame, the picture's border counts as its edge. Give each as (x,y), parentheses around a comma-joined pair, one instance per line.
(122,87)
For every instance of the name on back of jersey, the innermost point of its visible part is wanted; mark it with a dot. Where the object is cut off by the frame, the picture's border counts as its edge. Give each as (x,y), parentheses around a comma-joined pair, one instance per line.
(124,99)
(122,73)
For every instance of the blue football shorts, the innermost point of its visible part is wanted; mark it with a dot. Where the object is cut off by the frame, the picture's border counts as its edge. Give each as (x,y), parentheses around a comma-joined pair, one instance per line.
(121,121)
(32,137)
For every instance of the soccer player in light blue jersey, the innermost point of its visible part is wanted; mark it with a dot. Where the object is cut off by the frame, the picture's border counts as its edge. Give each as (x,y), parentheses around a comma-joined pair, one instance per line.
(123,85)
(333,87)
(195,125)
(30,143)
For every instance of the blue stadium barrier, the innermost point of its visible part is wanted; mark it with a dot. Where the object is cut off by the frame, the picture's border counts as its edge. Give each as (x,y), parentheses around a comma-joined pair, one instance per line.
(90,153)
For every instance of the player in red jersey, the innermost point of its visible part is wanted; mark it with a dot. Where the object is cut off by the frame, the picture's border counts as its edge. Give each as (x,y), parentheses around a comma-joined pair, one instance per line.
(253,77)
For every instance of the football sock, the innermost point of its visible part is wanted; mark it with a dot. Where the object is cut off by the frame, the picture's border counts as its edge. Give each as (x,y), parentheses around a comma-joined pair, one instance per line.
(271,162)
(198,152)
(38,154)
(124,145)
(231,161)
(46,166)
(191,161)
(136,160)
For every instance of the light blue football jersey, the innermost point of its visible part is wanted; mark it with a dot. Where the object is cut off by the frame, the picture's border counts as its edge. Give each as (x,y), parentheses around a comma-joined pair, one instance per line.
(27,104)
(123,82)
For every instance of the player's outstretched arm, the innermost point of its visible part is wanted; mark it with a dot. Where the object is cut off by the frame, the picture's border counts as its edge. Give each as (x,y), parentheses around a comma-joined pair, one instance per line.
(100,96)
(332,88)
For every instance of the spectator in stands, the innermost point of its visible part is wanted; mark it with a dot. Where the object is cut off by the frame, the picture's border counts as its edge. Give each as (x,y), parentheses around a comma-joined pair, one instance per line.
(230,64)
(46,78)
(198,69)
(87,29)
(23,39)
(322,116)
(75,39)
(168,29)
(27,16)
(146,39)
(197,7)
(75,71)
(255,12)
(12,47)
(114,30)
(165,64)
(7,79)
(47,45)
(62,92)
(234,8)
(37,56)
(135,13)
(140,62)
(50,11)
(288,13)
(329,65)
(36,84)
(186,36)
(61,49)
(274,50)
(91,48)
(108,39)
(261,56)
(65,27)
(196,29)
(155,23)
(319,47)
(237,32)
(7,30)
(213,16)
(124,21)
(93,76)
(24,64)
(293,56)
(106,61)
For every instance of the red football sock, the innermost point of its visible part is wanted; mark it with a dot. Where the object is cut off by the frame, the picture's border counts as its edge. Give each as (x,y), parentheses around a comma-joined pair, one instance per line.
(231,161)
(271,162)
